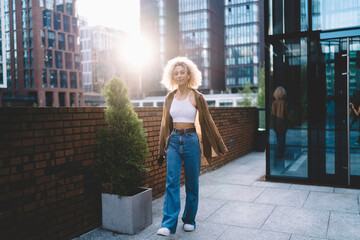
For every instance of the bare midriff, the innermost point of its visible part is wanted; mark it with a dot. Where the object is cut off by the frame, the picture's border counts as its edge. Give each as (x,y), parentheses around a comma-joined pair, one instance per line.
(181,125)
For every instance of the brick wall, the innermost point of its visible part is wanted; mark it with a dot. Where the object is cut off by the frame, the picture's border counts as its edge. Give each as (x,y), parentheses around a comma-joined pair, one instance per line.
(47,188)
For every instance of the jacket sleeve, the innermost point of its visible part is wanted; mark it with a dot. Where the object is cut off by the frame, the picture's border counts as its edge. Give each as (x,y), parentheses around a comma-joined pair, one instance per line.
(162,132)
(212,133)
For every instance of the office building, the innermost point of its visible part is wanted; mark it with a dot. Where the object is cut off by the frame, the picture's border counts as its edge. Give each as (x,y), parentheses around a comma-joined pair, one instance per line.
(103,56)
(41,53)
(244,42)
(86,54)
(313,51)
(201,27)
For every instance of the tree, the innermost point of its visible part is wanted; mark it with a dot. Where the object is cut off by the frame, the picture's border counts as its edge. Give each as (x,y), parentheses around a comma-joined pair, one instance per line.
(122,148)
(261,89)
(246,92)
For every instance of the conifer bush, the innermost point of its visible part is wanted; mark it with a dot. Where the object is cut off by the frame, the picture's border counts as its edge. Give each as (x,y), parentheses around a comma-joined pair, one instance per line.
(122,148)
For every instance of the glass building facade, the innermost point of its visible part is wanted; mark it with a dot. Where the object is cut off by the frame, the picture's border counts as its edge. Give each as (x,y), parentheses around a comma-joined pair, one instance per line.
(3,82)
(201,29)
(244,42)
(34,68)
(313,52)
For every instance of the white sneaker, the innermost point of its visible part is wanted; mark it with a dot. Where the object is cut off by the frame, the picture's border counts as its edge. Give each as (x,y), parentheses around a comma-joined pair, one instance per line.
(188,227)
(163,232)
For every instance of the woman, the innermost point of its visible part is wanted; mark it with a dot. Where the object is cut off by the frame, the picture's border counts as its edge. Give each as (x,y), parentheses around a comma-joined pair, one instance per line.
(179,141)
(280,118)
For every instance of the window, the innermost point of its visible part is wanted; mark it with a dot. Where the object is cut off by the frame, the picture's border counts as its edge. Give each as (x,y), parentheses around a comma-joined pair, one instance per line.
(42,38)
(61,99)
(25,39)
(63,79)
(57,21)
(77,62)
(46,19)
(58,59)
(71,44)
(66,20)
(60,5)
(26,79)
(44,78)
(61,41)
(31,78)
(31,57)
(80,81)
(74,25)
(51,39)
(30,38)
(68,61)
(53,79)
(69,7)
(48,58)
(26,58)
(30,17)
(24,18)
(73,80)
(50,4)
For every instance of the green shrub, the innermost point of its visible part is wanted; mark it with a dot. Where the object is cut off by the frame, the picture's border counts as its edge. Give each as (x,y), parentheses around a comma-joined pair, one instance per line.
(122,148)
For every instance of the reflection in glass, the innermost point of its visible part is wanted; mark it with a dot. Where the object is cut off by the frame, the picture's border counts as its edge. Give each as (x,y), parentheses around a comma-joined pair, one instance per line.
(53,79)
(288,16)
(63,79)
(355,98)
(334,14)
(44,78)
(73,80)
(288,69)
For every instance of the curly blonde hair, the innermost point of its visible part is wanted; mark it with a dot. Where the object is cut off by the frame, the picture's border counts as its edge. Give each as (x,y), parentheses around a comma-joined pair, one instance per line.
(280,93)
(191,68)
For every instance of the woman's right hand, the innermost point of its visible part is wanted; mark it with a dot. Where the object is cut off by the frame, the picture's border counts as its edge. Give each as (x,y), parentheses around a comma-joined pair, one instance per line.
(161,159)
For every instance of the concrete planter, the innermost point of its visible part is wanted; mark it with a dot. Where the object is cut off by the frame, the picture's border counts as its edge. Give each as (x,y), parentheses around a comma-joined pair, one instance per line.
(127,214)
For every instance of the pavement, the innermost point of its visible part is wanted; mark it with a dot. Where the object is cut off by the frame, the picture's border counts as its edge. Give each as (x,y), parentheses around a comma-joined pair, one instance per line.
(236,204)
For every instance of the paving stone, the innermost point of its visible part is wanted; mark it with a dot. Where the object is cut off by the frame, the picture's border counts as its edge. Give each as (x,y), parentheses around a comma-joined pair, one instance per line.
(347,191)
(271,184)
(332,201)
(298,237)
(344,226)
(283,197)
(239,233)
(312,223)
(208,190)
(238,192)
(312,188)
(236,213)
(207,207)
(242,179)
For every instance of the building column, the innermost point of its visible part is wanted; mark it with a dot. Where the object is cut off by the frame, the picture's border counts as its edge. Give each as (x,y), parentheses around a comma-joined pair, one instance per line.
(76,100)
(55,99)
(41,98)
(67,99)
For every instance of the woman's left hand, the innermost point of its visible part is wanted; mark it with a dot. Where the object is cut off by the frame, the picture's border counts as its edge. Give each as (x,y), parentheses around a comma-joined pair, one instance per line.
(222,154)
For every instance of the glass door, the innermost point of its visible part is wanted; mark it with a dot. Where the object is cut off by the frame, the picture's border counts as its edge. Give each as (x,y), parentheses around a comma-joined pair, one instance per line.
(341,135)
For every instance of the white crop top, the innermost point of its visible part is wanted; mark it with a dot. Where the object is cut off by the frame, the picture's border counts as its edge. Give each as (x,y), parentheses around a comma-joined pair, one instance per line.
(182,110)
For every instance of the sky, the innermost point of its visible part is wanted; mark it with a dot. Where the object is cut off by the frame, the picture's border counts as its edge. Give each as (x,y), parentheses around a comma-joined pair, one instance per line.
(120,14)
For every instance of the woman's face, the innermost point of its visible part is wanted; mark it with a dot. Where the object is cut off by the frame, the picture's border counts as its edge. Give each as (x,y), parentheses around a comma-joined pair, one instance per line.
(180,75)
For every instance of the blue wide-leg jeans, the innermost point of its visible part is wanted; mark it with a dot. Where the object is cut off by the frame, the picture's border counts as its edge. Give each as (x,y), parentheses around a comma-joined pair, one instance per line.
(182,148)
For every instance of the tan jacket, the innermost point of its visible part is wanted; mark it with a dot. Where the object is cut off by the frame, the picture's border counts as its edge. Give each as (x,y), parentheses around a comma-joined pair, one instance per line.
(209,135)
(280,116)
